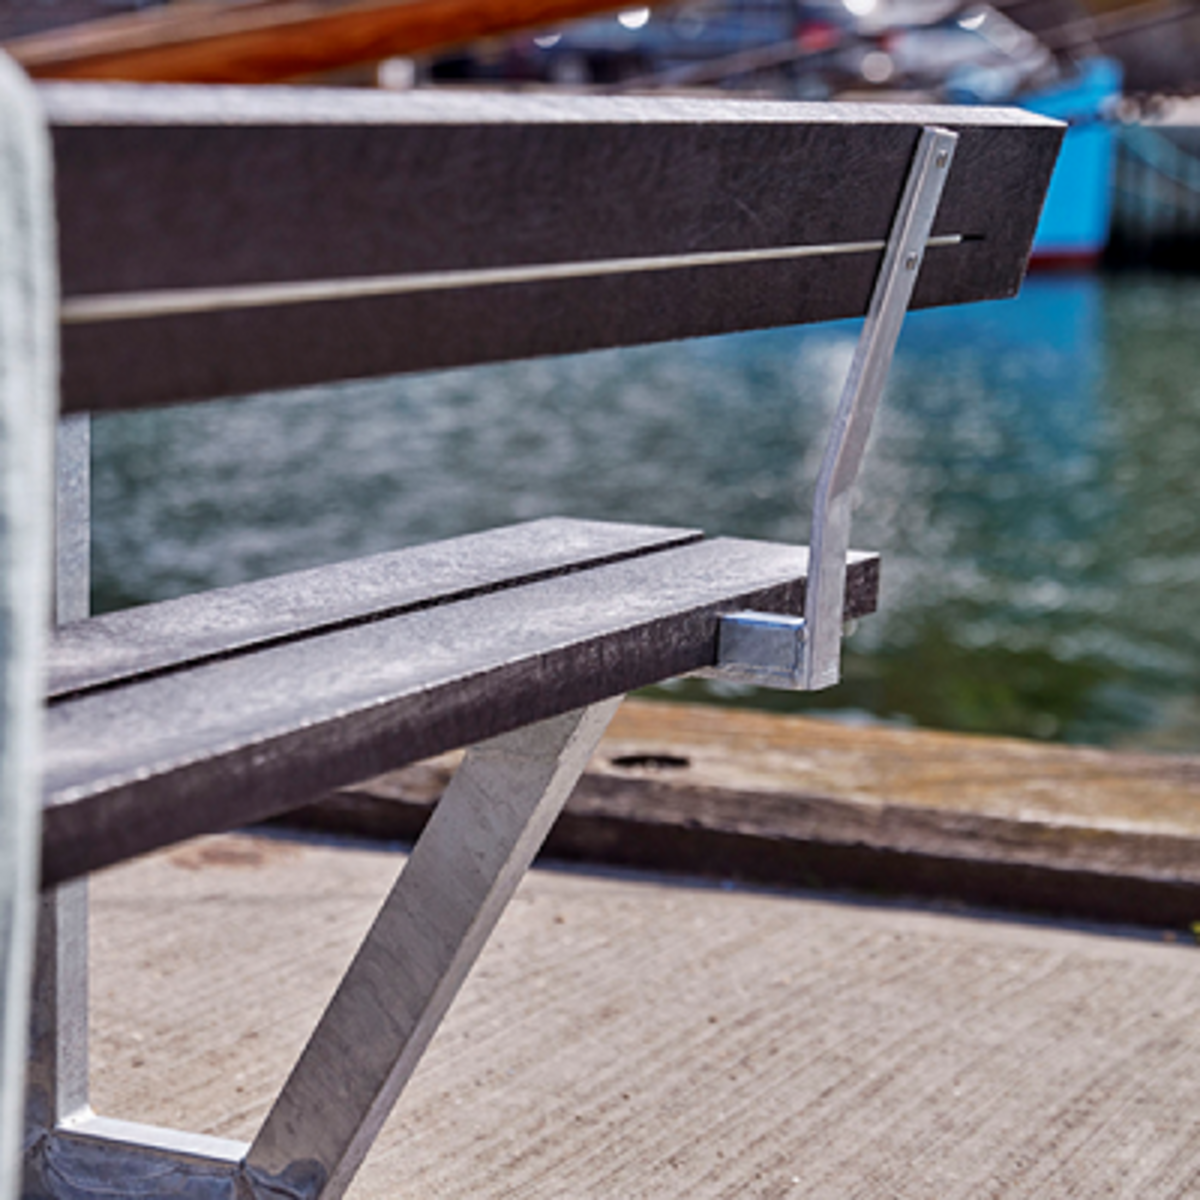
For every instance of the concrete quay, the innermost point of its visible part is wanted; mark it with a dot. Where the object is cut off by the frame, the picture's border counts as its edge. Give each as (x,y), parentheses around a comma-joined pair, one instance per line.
(795,802)
(634,1034)
(630,1036)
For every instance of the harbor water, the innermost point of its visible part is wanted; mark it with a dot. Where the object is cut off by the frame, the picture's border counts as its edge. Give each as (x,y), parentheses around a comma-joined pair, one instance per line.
(1031,484)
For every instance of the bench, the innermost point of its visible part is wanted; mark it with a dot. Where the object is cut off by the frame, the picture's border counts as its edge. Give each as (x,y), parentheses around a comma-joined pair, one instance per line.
(216,242)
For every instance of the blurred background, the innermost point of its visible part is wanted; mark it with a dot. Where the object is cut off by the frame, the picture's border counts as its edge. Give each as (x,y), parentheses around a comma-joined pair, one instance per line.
(1032,478)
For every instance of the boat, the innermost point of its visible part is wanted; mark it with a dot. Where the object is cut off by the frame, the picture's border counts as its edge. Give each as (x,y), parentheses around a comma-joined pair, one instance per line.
(979,55)
(1075,220)
(806,49)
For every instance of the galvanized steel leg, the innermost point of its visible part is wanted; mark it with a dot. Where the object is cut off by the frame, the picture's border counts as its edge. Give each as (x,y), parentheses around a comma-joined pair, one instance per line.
(433,925)
(482,836)
(73,519)
(28,382)
(71,1154)
(57,1082)
(96,1158)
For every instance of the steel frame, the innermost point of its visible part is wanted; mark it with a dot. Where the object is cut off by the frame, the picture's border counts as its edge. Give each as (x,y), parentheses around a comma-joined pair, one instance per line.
(431,929)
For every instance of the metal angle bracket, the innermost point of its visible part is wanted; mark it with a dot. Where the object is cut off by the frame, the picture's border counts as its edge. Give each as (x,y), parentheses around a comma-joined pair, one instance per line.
(771,650)
(762,649)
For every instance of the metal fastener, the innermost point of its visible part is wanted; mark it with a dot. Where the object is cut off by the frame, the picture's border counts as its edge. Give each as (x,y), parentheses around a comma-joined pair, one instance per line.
(763,649)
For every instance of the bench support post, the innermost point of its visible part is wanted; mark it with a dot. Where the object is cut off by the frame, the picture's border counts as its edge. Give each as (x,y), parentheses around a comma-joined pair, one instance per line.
(781,652)
(860,400)
(57,1083)
(28,379)
(482,836)
(464,869)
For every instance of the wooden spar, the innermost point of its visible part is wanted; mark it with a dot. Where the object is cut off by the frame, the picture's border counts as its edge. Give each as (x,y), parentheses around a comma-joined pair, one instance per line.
(266,41)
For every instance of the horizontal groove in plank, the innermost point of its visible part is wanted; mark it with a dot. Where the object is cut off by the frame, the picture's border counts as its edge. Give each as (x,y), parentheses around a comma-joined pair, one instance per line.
(348,188)
(229,742)
(157,637)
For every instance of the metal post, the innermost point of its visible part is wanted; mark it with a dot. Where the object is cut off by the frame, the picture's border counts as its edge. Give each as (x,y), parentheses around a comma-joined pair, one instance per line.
(860,399)
(57,1083)
(431,929)
(775,651)
(28,382)
(57,1079)
(73,519)
(482,836)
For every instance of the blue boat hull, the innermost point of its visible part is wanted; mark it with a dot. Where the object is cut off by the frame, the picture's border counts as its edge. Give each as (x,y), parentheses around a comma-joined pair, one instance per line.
(1075,221)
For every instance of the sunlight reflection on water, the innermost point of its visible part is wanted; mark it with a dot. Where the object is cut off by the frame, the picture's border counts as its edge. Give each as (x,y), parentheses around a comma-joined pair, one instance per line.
(1030,483)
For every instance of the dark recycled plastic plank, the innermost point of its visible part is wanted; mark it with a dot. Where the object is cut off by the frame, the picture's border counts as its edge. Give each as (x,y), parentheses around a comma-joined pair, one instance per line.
(215,624)
(325,185)
(234,741)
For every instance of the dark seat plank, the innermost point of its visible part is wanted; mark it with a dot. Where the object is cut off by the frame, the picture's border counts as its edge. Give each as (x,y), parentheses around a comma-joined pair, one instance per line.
(135,642)
(407,192)
(220,744)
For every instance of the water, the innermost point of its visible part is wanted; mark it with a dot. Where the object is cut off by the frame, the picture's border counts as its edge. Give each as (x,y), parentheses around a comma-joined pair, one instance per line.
(1031,484)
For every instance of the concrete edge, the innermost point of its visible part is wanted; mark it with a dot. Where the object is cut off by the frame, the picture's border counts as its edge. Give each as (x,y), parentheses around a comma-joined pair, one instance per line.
(815,842)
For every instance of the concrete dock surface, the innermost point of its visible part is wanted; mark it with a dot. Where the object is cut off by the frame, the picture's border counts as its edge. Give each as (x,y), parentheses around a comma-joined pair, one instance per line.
(792,801)
(630,1035)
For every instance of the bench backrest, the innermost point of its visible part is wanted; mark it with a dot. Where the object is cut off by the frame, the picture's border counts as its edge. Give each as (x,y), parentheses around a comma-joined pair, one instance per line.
(220,241)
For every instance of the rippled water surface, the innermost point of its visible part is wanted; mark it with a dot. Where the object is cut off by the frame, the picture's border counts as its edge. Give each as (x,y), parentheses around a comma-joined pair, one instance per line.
(1031,484)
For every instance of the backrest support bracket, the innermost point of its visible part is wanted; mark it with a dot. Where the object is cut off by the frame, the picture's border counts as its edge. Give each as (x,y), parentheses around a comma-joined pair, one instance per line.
(805,655)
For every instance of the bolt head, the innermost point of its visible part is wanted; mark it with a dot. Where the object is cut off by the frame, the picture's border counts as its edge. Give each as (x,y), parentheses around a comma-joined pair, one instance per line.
(911,261)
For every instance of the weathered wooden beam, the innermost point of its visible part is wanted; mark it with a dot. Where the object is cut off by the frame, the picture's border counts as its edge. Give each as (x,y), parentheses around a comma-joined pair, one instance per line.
(267,41)
(355,234)
(224,742)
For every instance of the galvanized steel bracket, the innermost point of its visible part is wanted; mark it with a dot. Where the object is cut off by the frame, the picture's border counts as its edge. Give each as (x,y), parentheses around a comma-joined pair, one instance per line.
(762,649)
(770,650)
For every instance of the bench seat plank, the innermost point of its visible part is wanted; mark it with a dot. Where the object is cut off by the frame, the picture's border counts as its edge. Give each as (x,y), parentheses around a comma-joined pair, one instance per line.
(140,641)
(227,742)
(408,193)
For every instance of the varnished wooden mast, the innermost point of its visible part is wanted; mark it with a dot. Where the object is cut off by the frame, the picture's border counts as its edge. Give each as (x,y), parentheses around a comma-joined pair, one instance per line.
(265,41)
